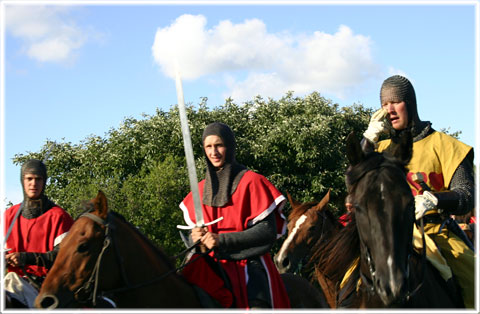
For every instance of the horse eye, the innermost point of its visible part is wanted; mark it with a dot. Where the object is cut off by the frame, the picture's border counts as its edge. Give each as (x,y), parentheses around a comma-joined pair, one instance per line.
(82,248)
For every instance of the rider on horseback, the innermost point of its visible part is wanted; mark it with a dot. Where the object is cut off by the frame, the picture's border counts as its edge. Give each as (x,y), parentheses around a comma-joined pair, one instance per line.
(33,231)
(251,207)
(445,163)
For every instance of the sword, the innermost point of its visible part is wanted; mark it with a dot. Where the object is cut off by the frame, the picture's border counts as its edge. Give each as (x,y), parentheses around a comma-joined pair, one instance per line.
(192,172)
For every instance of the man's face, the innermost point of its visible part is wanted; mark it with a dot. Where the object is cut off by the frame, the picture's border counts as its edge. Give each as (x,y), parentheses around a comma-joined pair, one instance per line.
(397,114)
(215,150)
(33,185)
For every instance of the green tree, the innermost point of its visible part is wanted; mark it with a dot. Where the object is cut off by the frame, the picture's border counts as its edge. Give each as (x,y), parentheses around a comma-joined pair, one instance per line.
(296,142)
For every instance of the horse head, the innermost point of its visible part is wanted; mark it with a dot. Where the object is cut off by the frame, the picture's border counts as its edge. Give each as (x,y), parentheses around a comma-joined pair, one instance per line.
(69,281)
(307,224)
(384,215)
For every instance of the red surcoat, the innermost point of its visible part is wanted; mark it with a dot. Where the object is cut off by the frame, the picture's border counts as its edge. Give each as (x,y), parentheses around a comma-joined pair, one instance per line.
(37,235)
(253,200)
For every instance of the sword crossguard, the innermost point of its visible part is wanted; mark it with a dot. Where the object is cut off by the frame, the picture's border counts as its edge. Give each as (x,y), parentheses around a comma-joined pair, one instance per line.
(199,225)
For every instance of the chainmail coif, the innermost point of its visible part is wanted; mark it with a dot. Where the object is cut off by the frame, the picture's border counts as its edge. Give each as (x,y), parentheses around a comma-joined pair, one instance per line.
(396,89)
(33,208)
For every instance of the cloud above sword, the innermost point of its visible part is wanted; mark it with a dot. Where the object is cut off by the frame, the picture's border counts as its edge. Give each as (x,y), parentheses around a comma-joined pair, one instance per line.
(251,61)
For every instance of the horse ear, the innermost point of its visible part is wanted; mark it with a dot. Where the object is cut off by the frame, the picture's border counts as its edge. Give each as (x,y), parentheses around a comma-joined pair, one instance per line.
(293,203)
(354,150)
(402,147)
(101,205)
(324,201)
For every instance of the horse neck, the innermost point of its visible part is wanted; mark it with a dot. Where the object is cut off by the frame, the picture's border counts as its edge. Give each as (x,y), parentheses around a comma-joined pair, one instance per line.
(333,258)
(144,263)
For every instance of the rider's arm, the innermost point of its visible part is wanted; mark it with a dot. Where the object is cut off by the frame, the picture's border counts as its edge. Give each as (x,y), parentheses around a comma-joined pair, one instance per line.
(460,198)
(254,241)
(41,259)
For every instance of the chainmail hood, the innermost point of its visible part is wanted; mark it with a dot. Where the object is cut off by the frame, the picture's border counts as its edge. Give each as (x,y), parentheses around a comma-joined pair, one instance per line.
(396,89)
(221,183)
(33,208)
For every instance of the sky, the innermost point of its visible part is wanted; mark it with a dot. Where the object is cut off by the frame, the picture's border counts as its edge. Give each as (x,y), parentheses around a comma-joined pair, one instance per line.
(74,69)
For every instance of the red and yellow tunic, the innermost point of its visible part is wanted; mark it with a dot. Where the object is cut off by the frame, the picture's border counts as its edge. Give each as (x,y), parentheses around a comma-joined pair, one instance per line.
(437,157)
(37,235)
(253,200)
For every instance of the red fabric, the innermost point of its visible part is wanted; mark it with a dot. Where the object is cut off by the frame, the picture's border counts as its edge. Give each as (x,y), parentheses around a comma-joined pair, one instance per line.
(200,273)
(473,220)
(345,219)
(253,200)
(35,235)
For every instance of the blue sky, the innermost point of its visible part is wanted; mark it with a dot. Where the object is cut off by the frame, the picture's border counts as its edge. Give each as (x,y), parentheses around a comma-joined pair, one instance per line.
(70,71)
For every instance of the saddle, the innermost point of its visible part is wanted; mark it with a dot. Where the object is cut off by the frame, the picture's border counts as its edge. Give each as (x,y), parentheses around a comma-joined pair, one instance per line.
(208,278)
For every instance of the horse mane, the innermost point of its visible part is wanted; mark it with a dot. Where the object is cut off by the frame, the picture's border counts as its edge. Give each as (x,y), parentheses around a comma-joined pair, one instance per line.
(88,207)
(335,256)
(150,243)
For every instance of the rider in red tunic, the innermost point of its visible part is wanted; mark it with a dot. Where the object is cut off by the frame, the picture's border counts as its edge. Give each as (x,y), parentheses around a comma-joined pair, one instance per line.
(251,208)
(34,228)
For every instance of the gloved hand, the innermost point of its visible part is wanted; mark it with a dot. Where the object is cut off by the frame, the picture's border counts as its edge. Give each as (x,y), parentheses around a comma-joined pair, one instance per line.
(377,126)
(423,203)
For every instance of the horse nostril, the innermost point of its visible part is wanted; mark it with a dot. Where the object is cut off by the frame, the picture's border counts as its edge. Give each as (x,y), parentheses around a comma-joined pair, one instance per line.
(49,302)
(285,262)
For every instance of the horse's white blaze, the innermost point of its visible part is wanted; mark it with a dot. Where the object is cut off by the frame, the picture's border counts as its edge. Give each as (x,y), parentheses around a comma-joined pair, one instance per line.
(390,271)
(291,236)
(381,191)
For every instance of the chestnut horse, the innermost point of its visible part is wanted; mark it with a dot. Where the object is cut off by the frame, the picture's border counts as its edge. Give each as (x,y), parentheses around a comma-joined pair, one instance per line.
(376,247)
(309,224)
(105,256)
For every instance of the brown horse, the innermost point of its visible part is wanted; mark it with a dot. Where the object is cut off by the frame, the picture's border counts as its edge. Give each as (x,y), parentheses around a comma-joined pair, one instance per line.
(309,224)
(105,256)
(376,247)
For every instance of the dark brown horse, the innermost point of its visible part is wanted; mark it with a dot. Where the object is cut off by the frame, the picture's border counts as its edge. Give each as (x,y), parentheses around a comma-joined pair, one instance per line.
(309,224)
(105,256)
(376,247)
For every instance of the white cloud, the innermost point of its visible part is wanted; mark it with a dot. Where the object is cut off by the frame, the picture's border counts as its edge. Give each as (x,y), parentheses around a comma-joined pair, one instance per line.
(339,63)
(47,33)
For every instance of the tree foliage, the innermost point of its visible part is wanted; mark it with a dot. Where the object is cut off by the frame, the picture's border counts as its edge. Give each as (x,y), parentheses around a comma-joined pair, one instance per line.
(296,142)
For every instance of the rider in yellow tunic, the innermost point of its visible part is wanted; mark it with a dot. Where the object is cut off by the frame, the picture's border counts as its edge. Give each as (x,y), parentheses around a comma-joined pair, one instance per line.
(446,165)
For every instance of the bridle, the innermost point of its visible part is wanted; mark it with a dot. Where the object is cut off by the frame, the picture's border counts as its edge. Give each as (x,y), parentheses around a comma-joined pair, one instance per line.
(88,293)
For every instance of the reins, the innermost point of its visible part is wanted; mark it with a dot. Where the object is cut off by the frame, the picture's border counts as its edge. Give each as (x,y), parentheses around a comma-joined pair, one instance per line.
(93,280)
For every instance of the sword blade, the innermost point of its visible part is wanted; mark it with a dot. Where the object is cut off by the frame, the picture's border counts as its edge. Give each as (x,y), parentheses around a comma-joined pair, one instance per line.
(187,144)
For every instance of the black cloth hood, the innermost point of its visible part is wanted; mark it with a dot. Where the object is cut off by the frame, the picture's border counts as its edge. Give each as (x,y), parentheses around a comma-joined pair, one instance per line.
(221,183)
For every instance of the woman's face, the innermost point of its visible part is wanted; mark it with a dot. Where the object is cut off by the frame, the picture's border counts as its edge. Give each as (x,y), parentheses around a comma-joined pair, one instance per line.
(215,150)
(397,114)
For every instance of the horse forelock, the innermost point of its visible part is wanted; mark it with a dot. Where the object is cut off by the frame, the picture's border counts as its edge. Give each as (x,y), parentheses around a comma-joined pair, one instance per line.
(372,161)
(299,210)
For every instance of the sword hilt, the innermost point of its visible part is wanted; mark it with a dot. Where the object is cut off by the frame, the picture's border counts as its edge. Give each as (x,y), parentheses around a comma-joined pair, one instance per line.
(420,180)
